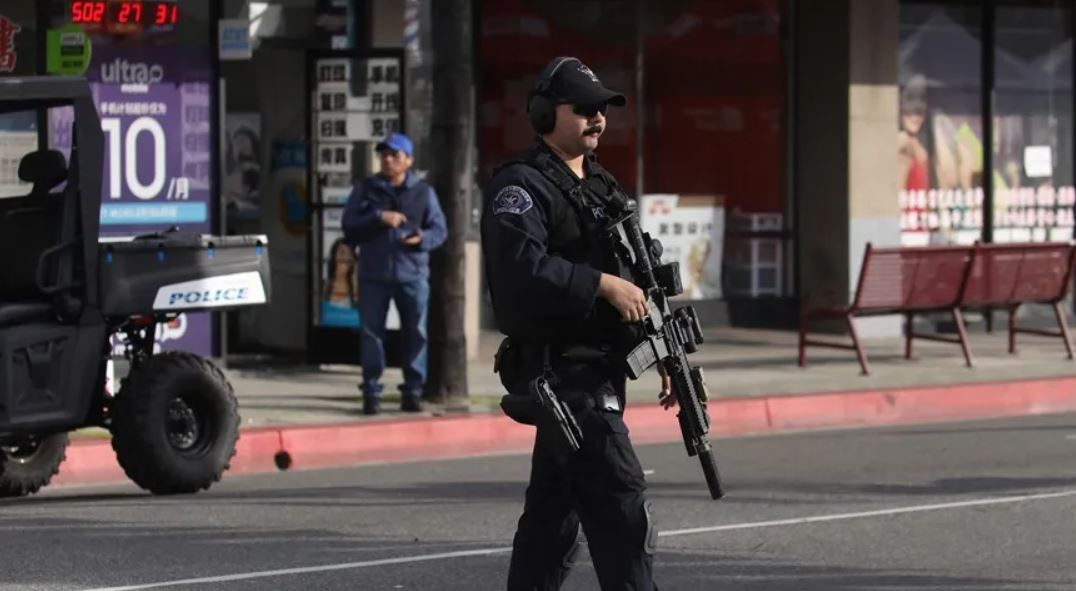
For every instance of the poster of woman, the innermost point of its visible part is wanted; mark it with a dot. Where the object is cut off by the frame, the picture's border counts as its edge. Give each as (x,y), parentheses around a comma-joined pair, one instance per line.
(340,288)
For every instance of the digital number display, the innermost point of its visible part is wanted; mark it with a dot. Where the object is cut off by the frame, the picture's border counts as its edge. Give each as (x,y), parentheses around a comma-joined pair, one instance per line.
(129,13)
(88,12)
(124,16)
(165,14)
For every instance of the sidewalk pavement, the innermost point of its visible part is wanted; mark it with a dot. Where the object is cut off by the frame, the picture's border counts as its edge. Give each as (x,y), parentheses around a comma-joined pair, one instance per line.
(736,362)
(298,417)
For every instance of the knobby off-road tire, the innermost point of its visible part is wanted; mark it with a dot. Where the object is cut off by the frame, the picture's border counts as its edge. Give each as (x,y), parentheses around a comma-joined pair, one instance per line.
(175,423)
(26,467)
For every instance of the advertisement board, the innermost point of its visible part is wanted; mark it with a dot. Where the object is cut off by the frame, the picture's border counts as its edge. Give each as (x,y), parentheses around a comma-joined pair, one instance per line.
(154,106)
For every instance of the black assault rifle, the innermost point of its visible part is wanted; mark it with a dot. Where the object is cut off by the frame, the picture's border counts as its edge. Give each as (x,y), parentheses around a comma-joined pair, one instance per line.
(668,337)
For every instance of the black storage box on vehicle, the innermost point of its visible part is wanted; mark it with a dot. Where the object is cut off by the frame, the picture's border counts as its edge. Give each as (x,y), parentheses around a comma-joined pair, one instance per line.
(174,272)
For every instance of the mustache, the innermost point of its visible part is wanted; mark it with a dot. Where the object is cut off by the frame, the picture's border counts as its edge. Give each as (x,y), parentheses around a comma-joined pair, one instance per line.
(593,129)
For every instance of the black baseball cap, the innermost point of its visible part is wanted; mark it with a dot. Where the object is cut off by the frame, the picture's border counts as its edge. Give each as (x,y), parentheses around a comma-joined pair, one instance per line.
(574,83)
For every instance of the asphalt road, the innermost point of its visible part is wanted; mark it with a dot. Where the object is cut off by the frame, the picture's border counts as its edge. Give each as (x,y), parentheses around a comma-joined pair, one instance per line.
(984,506)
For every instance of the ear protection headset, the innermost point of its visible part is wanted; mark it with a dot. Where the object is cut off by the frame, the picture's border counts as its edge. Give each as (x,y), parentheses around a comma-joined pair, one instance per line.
(541,106)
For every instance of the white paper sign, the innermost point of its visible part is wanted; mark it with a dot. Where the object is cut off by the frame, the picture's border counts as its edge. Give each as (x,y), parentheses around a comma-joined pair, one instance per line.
(1039,162)
(235,43)
(14,145)
(691,228)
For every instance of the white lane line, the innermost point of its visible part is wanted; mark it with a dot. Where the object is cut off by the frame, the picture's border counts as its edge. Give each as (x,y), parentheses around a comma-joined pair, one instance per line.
(308,569)
(678,532)
(861,514)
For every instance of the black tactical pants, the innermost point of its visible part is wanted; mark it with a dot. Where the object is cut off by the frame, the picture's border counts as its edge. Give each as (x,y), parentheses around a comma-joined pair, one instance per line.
(601,488)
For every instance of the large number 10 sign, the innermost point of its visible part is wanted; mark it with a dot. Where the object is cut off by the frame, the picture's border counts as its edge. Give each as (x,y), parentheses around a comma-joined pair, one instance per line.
(123,155)
(151,161)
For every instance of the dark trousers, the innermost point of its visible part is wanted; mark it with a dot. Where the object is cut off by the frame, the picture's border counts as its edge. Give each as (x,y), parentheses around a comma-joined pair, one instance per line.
(601,488)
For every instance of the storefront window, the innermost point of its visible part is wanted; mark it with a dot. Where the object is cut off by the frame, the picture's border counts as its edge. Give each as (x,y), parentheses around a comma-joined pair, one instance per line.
(941,140)
(703,80)
(1033,157)
(939,135)
(712,146)
(518,37)
(713,101)
(149,65)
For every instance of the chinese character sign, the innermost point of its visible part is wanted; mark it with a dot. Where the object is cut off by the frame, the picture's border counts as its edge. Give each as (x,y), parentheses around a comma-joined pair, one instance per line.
(8,55)
(356,100)
(355,104)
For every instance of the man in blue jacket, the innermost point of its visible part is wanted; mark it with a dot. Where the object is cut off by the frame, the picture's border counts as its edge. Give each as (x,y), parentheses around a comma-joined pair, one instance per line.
(395,220)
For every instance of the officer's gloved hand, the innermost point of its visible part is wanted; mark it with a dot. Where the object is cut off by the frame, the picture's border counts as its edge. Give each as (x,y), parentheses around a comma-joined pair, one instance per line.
(624,295)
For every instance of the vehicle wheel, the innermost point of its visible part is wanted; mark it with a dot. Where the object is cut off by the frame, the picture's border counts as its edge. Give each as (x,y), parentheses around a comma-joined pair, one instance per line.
(26,467)
(175,423)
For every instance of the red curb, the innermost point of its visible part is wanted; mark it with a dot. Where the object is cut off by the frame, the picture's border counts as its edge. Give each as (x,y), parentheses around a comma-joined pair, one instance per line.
(256,451)
(894,407)
(428,438)
(89,461)
(431,438)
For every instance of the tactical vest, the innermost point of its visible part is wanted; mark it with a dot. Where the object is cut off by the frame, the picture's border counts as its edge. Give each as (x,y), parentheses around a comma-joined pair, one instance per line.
(595,202)
(578,233)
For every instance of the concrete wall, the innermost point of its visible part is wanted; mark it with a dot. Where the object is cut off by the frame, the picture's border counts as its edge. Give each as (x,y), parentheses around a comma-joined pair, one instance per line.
(873,98)
(846,182)
(820,101)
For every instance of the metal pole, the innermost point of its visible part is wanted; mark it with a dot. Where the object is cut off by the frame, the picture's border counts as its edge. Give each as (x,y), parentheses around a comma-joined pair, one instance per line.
(789,122)
(988,101)
(640,101)
(216,124)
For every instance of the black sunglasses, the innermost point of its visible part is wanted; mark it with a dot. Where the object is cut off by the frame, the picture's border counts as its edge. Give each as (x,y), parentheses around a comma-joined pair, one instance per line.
(590,111)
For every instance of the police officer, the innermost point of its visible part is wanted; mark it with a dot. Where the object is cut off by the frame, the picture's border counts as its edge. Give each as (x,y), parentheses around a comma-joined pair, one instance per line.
(558,295)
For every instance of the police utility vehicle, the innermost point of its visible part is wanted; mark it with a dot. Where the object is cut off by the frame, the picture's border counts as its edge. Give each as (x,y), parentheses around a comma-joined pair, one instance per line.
(67,298)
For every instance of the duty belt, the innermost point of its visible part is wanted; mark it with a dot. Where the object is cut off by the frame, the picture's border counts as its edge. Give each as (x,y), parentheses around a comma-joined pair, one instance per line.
(608,402)
(575,352)
(601,402)
(584,353)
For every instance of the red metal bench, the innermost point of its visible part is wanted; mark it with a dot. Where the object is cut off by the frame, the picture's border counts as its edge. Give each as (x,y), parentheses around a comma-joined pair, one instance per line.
(917,280)
(1004,276)
(906,281)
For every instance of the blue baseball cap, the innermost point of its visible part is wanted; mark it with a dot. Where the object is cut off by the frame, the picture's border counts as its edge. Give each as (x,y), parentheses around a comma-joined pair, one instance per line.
(396,141)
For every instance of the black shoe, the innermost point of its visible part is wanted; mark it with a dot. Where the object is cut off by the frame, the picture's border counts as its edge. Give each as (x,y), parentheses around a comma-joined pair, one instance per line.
(411,404)
(371,406)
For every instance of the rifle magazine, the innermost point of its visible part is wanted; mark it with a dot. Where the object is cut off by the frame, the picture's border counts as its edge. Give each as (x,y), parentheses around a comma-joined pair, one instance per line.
(640,359)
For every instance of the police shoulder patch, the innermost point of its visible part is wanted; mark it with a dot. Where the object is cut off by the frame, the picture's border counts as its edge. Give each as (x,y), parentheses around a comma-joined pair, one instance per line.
(512,199)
